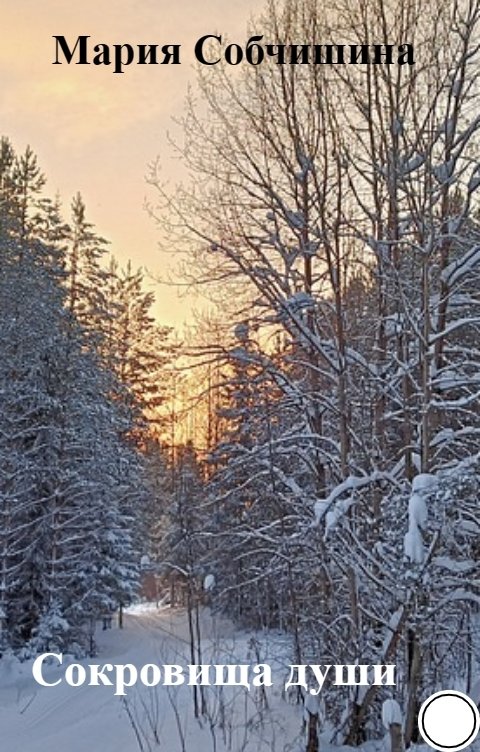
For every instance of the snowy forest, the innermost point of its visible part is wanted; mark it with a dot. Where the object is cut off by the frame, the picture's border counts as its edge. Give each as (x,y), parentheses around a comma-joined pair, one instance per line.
(80,368)
(304,460)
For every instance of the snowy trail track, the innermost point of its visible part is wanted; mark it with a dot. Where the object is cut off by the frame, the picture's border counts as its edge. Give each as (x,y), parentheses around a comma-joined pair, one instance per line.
(92,719)
(75,719)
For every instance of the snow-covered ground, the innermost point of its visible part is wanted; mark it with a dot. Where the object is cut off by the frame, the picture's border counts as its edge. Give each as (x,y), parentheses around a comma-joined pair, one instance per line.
(92,719)
(75,719)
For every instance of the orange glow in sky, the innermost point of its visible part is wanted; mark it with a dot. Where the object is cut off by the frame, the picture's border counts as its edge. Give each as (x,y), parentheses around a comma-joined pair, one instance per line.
(95,131)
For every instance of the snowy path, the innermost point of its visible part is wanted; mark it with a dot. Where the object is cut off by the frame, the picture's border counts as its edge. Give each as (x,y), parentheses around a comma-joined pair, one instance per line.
(69,719)
(92,719)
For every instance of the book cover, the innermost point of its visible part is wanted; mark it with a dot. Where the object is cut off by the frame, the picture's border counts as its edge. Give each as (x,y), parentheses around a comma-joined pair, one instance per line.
(239,391)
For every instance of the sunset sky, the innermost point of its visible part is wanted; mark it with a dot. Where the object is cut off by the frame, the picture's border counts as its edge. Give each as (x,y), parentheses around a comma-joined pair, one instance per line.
(95,131)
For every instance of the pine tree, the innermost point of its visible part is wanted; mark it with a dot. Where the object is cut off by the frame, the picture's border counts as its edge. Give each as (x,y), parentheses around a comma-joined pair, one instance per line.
(72,484)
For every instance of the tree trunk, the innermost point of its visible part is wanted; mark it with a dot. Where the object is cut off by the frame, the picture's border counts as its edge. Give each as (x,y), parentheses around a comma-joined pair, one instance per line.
(396,738)
(312,732)
(415,670)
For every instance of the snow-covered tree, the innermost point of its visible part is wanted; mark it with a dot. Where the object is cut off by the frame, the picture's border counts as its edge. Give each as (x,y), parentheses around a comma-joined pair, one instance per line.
(72,485)
(344,200)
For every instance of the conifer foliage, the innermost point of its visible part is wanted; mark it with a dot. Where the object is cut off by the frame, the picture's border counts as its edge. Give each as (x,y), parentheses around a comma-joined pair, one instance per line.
(72,482)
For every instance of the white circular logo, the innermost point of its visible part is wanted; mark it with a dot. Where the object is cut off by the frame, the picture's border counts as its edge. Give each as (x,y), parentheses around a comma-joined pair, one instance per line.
(449,721)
